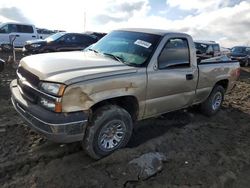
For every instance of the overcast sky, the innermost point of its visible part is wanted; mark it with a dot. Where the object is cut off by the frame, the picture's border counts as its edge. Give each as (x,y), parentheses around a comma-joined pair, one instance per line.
(225,21)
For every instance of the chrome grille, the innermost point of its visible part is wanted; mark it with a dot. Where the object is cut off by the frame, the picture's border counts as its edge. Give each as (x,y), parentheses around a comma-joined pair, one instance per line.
(27,91)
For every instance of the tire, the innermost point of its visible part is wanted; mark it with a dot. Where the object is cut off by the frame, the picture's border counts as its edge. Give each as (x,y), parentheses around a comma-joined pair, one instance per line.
(213,103)
(108,121)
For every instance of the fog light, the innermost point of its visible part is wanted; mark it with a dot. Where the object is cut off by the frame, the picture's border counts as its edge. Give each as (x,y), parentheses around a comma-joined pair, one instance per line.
(48,104)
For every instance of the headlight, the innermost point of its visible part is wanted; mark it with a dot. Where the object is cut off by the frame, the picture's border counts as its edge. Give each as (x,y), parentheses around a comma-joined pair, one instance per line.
(35,45)
(51,105)
(52,88)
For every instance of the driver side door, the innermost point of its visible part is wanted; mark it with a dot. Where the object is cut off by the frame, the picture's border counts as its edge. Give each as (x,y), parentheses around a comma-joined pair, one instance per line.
(172,83)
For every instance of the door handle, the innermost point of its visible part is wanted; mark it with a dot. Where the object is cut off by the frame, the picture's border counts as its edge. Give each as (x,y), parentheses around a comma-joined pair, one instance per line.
(17,35)
(34,36)
(189,76)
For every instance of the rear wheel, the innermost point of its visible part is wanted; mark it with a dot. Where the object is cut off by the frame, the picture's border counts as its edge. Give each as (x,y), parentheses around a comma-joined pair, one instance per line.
(110,129)
(213,103)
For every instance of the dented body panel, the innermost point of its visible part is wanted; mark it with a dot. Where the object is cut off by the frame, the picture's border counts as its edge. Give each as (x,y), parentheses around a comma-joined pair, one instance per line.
(83,95)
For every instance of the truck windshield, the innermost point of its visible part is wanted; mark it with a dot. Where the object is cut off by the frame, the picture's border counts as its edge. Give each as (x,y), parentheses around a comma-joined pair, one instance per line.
(133,48)
(54,37)
(241,50)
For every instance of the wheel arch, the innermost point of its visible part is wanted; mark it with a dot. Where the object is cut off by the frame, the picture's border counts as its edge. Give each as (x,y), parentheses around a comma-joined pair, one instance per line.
(224,83)
(129,103)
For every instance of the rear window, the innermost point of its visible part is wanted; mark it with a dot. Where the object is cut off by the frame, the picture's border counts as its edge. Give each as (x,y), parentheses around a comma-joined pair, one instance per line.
(216,47)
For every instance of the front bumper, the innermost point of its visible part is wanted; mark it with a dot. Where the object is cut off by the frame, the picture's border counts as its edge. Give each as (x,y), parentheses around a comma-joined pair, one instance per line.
(58,127)
(30,51)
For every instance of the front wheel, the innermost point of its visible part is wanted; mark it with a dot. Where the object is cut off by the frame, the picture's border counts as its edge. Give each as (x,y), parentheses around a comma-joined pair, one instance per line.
(110,129)
(213,103)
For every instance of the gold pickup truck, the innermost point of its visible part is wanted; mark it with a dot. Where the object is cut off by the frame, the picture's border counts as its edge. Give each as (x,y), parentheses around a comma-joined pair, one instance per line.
(96,95)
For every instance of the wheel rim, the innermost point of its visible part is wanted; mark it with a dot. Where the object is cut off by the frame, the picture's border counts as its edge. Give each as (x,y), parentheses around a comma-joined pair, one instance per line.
(217,101)
(111,135)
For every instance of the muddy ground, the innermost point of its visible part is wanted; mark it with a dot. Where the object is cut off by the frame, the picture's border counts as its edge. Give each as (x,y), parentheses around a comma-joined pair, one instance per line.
(200,151)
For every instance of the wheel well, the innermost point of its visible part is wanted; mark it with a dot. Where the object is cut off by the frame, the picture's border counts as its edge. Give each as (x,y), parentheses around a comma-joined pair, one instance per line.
(129,103)
(223,83)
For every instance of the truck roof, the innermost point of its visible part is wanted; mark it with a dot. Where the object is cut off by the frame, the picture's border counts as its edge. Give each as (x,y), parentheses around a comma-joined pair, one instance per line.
(241,46)
(205,41)
(151,31)
(15,22)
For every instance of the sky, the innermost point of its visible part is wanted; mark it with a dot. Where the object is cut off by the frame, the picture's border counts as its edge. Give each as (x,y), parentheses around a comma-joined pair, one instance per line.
(224,21)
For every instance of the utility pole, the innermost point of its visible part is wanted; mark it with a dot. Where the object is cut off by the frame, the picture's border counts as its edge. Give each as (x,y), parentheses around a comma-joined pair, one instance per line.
(84,19)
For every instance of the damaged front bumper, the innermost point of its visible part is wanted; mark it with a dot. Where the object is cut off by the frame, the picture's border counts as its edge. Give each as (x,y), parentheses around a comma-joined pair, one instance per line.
(58,127)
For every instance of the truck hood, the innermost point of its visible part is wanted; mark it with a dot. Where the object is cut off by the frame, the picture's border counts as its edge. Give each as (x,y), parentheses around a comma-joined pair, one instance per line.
(71,67)
(36,41)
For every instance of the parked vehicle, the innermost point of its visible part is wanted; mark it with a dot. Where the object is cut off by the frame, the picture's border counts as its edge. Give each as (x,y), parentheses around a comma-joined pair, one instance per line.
(95,96)
(59,42)
(2,63)
(241,54)
(98,35)
(44,33)
(23,33)
(207,49)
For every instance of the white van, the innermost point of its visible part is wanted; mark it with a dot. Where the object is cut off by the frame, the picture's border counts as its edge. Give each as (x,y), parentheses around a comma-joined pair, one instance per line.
(23,33)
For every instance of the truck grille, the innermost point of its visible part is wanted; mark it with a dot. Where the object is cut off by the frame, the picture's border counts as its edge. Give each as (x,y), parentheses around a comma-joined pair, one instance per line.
(27,91)
(31,78)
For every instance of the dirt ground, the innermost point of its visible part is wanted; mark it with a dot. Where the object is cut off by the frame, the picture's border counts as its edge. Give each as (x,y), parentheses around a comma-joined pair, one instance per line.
(200,151)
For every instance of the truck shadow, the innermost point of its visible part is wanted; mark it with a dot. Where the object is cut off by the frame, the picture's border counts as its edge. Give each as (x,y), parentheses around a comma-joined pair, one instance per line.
(155,127)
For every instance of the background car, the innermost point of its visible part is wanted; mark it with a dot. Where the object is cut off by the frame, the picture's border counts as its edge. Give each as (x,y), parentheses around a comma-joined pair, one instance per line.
(242,54)
(207,49)
(61,41)
(98,35)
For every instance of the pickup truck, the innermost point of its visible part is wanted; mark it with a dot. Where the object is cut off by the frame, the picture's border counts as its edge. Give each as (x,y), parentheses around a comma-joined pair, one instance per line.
(96,95)
(23,32)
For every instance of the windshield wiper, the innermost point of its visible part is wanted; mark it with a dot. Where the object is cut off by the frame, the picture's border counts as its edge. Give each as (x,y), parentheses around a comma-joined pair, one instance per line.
(120,59)
(90,49)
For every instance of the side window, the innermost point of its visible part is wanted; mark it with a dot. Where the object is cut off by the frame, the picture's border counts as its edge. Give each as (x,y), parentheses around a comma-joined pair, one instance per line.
(248,51)
(4,29)
(216,48)
(210,49)
(85,40)
(175,54)
(25,29)
(13,28)
(69,38)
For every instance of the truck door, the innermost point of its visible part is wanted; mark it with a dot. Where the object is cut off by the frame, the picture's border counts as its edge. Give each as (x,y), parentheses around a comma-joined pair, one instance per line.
(173,79)
(24,33)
